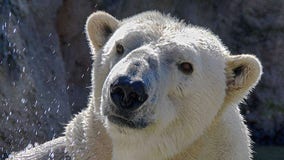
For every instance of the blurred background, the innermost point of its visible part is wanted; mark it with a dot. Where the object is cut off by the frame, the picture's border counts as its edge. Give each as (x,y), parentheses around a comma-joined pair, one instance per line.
(45,62)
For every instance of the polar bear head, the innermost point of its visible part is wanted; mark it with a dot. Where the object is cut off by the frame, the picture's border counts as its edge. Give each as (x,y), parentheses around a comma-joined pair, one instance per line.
(157,80)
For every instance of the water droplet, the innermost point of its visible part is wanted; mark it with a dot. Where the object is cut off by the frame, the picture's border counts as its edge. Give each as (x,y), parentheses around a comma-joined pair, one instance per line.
(51,155)
(23,100)
(35,104)
(82,76)
(48,109)
(36,144)
(14,31)
(29,146)
(65,150)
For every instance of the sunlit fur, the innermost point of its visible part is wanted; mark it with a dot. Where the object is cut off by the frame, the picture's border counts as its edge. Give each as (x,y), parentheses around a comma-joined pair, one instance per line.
(193,116)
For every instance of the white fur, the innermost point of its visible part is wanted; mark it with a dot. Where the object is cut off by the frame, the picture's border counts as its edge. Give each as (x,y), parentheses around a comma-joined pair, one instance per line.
(195,116)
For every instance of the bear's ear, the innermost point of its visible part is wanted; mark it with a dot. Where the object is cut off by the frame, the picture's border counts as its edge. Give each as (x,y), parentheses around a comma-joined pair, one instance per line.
(242,73)
(99,26)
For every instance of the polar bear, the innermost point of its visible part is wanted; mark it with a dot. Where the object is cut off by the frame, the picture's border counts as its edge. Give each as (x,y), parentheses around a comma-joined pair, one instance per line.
(161,90)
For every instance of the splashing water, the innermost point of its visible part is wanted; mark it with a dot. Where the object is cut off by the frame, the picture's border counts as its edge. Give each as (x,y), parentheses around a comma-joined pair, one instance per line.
(23,100)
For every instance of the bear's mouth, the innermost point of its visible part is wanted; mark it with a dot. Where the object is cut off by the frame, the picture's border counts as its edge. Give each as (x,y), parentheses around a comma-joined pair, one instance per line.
(122,122)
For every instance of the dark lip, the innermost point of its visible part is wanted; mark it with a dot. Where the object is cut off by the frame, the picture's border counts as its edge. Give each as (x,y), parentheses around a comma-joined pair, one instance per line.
(120,121)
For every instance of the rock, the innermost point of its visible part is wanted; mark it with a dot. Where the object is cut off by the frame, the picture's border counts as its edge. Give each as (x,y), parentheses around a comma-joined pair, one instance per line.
(33,98)
(70,24)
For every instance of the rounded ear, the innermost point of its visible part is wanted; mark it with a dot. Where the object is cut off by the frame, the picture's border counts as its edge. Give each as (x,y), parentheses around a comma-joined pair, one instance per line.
(99,26)
(243,73)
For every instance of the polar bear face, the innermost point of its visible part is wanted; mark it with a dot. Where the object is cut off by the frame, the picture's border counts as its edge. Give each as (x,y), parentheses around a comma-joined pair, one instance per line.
(158,80)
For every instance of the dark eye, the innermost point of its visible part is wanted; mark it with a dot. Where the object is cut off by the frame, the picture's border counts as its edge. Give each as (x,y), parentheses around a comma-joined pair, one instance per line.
(119,49)
(186,67)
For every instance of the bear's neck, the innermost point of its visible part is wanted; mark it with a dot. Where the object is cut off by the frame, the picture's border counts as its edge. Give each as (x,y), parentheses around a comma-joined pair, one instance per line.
(226,138)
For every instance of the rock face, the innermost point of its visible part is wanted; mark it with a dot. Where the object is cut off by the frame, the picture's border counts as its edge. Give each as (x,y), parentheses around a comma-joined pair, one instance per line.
(33,97)
(75,51)
(45,60)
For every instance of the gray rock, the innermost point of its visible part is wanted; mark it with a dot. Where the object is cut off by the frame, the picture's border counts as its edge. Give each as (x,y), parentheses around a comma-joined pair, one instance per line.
(33,99)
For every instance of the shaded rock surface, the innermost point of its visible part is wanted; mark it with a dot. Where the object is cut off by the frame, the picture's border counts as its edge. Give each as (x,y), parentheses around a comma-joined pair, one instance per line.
(45,62)
(34,104)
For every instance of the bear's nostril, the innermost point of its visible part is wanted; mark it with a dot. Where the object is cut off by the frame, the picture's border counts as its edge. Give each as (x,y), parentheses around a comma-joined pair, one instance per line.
(117,94)
(126,94)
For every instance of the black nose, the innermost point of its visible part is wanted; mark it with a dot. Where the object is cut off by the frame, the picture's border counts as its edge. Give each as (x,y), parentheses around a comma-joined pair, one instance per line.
(127,94)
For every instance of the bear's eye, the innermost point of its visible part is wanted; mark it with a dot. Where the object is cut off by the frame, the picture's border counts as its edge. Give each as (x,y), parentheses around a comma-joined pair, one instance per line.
(119,49)
(185,67)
